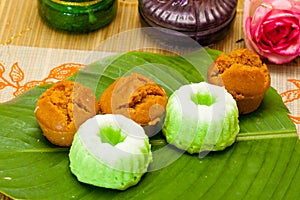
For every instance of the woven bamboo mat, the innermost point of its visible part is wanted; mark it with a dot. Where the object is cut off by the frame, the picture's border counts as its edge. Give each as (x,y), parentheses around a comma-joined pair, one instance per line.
(21,28)
(21,25)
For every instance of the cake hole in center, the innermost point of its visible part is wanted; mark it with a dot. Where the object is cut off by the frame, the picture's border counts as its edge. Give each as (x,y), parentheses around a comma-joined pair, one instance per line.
(111,135)
(203,99)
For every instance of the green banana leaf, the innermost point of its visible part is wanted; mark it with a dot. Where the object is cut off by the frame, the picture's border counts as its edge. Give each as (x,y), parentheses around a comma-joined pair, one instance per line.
(264,163)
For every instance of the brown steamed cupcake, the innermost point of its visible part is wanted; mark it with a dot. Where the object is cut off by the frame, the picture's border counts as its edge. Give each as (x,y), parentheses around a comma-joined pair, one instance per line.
(244,76)
(136,97)
(62,108)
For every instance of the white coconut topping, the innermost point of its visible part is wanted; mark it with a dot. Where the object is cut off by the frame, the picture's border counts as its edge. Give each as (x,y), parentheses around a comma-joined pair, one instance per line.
(109,154)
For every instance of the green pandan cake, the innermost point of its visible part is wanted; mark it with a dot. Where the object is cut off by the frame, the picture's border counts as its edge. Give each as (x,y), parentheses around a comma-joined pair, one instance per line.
(110,151)
(201,117)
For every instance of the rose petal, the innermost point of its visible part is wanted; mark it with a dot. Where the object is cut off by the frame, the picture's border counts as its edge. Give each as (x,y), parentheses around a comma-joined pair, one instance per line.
(291,50)
(276,32)
(248,37)
(282,4)
(272,28)
(279,13)
(259,15)
(279,59)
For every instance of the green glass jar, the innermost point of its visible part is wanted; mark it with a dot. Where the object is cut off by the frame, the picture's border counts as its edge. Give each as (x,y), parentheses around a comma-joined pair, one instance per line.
(78,15)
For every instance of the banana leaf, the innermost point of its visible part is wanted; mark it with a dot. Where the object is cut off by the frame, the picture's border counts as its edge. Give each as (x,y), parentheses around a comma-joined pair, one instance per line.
(264,162)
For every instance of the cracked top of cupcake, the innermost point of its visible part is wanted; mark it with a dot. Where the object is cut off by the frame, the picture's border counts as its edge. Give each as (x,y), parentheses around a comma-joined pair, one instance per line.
(244,75)
(243,72)
(62,108)
(136,97)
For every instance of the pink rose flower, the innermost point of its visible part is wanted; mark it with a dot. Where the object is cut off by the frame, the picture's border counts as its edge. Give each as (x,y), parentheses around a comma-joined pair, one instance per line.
(272,29)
